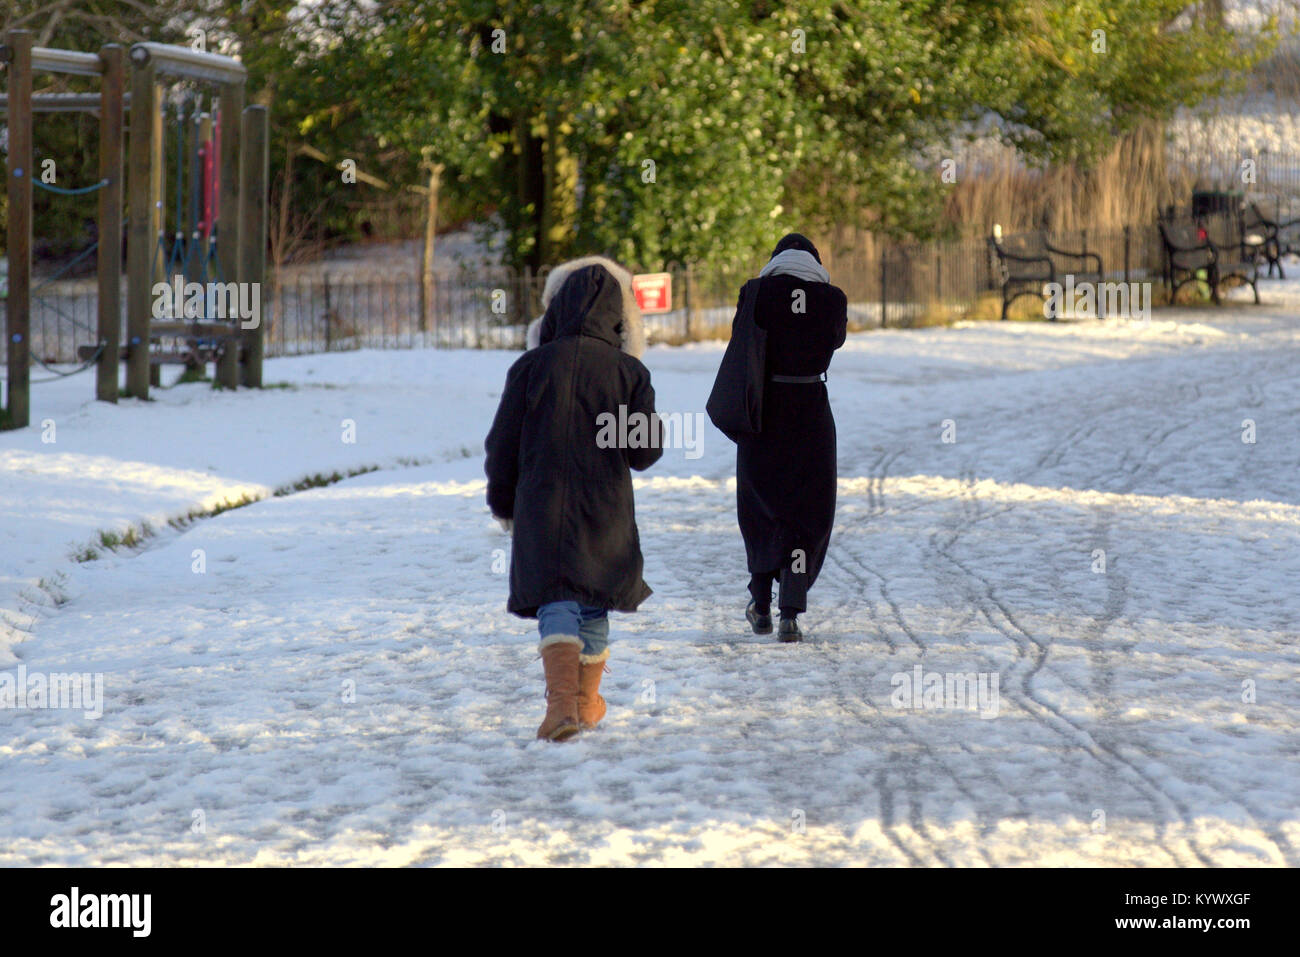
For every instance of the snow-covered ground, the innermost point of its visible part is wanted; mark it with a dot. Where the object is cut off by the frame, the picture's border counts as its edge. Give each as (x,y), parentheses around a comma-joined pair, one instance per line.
(331,677)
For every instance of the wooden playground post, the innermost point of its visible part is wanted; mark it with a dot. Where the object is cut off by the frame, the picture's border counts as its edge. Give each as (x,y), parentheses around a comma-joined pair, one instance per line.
(232,107)
(253,171)
(158,186)
(141,241)
(228,216)
(158,210)
(110,221)
(18,52)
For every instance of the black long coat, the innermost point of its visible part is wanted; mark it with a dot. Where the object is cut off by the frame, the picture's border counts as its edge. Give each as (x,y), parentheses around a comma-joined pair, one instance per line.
(786,474)
(575,535)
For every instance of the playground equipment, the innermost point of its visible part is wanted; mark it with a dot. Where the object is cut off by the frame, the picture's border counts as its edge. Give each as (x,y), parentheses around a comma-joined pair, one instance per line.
(221,246)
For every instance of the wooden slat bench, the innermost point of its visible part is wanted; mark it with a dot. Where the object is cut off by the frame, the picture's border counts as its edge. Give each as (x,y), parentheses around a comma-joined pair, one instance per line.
(1189,250)
(1279,238)
(1026,262)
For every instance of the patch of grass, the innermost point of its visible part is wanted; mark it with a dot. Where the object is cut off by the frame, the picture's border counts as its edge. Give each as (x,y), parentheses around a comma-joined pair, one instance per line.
(135,536)
(55,588)
(289,386)
(110,540)
(226,506)
(322,479)
(193,374)
(938,314)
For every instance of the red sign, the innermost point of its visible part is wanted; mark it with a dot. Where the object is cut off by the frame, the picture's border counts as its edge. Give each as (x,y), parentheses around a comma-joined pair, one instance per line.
(653,291)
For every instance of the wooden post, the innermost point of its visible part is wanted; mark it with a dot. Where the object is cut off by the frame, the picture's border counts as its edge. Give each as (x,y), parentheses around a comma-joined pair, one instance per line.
(253,172)
(198,245)
(883,284)
(689,289)
(232,106)
(141,239)
(18,309)
(110,221)
(229,216)
(329,319)
(157,188)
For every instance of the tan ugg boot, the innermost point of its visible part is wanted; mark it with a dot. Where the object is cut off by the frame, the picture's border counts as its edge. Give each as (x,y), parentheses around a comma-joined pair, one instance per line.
(591,706)
(560,660)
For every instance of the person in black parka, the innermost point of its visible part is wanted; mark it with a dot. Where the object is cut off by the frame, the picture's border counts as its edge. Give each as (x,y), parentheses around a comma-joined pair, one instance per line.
(566,492)
(786,474)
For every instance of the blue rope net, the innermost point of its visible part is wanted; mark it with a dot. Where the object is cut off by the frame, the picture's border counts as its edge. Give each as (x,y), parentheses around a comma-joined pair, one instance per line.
(79,191)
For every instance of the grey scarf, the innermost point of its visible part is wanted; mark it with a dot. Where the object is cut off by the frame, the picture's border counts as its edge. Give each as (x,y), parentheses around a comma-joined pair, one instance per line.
(797,263)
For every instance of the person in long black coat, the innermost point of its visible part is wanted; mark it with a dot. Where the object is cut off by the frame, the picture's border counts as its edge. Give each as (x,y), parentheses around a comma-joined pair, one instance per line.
(565,490)
(786,474)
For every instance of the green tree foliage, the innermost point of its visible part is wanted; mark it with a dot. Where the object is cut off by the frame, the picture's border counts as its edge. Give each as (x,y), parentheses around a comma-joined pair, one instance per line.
(760,116)
(1081,74)
(692,130)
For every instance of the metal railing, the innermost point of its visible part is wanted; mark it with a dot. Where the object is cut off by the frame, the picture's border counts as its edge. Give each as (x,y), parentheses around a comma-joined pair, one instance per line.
(310,310)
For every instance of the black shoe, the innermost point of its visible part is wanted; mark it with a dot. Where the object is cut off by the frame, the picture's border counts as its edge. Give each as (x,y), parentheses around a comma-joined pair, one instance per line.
(762,624)
(790,630)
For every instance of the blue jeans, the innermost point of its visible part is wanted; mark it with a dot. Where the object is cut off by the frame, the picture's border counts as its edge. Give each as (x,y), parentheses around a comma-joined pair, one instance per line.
(569,618)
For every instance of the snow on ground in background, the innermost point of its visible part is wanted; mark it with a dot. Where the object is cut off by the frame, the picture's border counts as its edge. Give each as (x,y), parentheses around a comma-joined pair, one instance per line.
(474,248)
(1121,735)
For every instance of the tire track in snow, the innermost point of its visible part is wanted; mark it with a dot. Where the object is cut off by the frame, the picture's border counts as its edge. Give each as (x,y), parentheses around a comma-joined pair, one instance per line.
(1152,441)
(848,702)
(1134,473)
(1000,617)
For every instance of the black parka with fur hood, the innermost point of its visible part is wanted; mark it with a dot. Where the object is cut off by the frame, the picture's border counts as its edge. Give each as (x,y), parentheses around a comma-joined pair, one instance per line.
(575,534)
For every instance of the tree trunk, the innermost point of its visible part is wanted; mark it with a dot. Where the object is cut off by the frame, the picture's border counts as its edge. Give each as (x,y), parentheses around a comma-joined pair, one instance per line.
(426,257)
(560,193)
(280,242)
(531,190)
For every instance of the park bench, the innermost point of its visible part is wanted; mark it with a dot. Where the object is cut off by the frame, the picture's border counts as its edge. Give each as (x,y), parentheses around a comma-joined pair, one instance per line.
(1191,256)
(1279,238)
(1026,262)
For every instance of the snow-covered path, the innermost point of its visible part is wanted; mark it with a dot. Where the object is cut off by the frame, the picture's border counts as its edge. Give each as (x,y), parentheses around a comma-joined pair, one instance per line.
(342,684)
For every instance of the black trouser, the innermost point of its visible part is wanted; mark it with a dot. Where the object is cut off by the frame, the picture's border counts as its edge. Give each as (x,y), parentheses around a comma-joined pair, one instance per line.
(793,597)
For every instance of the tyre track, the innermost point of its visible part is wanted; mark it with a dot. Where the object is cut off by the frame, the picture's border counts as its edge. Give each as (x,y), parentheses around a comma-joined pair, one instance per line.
(1000,617)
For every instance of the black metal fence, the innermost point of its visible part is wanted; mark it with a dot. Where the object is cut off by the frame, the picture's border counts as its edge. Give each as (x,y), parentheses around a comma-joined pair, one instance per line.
(310,311)
(1272,178)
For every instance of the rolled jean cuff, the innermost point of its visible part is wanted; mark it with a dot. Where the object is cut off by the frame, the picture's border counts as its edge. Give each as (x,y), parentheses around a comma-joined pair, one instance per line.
(586,625)
(559,640)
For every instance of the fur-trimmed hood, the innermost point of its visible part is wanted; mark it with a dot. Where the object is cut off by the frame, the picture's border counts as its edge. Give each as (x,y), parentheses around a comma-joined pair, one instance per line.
(633,332)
